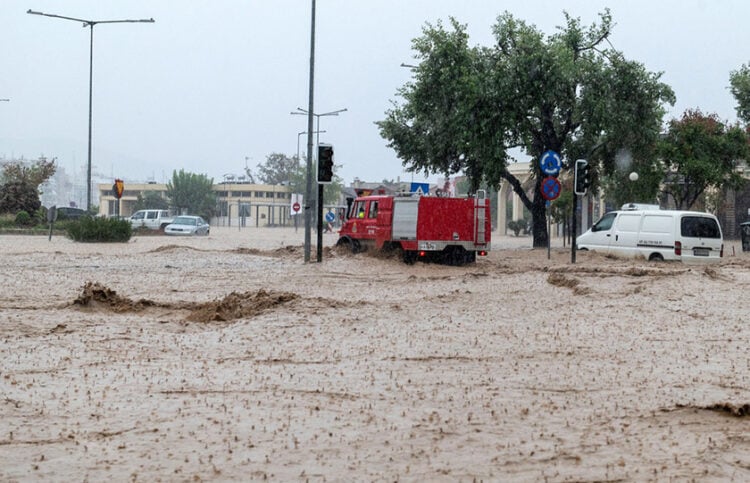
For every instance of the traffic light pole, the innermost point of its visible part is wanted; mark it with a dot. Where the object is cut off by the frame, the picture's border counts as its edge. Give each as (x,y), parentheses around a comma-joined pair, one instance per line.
(320,221)
(574,229)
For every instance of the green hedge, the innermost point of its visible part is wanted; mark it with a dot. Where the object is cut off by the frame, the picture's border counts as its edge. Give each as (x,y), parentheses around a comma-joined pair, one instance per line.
(97,229)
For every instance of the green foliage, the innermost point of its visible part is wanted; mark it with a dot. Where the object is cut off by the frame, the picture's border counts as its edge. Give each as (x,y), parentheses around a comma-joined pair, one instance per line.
(192,194)
(517,226)
(739,81)
(150,200)
(24,219)
(570,92)
(699,152)
(98,229)
(35,174)
(620,189)
(278,169)
(19,195)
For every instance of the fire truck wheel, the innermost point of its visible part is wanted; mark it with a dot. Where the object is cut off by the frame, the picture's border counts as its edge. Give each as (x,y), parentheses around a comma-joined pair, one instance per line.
(352,245)
(410,256)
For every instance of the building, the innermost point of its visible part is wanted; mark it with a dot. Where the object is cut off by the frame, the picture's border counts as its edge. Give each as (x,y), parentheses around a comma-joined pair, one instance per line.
(240,203)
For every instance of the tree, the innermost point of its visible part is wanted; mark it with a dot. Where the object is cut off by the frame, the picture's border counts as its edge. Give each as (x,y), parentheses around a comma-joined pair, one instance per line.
(18,196)
(468,108)
(739,81)
(34,174)
(278,169)
(20,188)
(700,152)
(150,200)
(620,189)
(192,193)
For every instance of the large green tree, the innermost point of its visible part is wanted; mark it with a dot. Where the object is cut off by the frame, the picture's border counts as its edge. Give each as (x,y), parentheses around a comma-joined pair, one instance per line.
(20,184)
(739,81)
(468,108)
(150,200)
(700,152)
(192,194)
(278,169)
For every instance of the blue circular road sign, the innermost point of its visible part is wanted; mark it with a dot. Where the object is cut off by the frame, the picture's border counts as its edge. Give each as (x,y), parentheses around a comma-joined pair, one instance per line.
(550,163)
(330,217)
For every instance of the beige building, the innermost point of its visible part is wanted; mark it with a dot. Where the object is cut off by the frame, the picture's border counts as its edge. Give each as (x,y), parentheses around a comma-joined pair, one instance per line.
(236,203)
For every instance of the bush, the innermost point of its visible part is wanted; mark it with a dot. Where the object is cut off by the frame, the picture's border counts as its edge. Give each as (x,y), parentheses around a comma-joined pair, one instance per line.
(517,226)
(97,229)
(24,219)
(18,196)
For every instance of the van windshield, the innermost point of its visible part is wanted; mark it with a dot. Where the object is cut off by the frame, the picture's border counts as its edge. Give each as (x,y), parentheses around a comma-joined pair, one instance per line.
(604,223)
(699,227)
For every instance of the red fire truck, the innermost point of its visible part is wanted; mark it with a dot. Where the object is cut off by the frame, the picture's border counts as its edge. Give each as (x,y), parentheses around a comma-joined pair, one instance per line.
(427,228)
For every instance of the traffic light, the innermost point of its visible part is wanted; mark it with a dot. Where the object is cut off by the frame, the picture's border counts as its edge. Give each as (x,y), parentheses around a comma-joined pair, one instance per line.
(581,177)
(325,163)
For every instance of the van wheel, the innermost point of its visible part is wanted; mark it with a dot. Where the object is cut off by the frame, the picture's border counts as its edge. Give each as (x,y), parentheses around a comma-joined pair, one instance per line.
(656,257)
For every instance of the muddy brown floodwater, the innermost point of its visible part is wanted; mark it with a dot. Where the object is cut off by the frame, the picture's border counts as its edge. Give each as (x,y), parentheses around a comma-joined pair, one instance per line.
(227,358)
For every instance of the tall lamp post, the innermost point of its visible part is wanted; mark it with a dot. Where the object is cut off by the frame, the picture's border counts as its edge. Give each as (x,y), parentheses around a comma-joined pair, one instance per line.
(90,24)
(300,134)
(319,211)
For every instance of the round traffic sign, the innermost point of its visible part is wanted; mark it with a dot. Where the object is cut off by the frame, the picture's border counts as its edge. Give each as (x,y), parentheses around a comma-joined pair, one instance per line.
(330,217)
(550,163)
(550,188)
(295,207)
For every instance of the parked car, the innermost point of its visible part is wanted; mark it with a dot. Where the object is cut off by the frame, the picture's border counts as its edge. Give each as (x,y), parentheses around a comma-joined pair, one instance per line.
(187,225)
(152,219)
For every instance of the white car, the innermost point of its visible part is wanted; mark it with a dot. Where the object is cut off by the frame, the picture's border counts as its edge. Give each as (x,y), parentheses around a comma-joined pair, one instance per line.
(187,225)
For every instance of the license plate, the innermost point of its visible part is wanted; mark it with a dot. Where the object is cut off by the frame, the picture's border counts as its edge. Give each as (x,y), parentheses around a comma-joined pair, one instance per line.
(701,252)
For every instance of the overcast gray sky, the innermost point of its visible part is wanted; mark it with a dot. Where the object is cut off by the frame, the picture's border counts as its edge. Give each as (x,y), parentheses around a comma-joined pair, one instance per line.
(213,82)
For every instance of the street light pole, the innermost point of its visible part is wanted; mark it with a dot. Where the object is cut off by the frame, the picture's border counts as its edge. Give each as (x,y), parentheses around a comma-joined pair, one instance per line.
(319,209)
(90,24)
(300,134)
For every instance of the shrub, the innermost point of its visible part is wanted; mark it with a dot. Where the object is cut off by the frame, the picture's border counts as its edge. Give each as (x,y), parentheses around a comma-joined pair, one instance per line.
(517,226)
(24,219)
(97,229)
(18,196)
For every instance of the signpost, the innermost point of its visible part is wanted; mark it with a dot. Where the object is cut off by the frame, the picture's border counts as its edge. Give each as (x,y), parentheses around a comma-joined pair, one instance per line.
(118,188)
(296,207)
(51,217)
(550,165)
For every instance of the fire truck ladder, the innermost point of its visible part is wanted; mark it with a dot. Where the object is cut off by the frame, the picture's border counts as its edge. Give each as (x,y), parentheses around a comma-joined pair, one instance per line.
(479,203)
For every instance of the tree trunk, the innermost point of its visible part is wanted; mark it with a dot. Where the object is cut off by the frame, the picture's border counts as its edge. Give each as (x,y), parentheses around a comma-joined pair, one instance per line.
(536,205)
(539,217)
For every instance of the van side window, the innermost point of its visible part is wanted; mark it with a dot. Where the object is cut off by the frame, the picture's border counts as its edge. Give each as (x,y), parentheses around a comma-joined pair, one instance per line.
(699,227)
(605,222)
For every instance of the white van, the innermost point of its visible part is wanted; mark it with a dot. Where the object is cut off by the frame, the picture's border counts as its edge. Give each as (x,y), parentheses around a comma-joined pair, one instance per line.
(688,236)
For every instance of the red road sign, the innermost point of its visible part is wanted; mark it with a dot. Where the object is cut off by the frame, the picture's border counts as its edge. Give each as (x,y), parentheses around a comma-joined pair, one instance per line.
(295,207)
(550,188)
